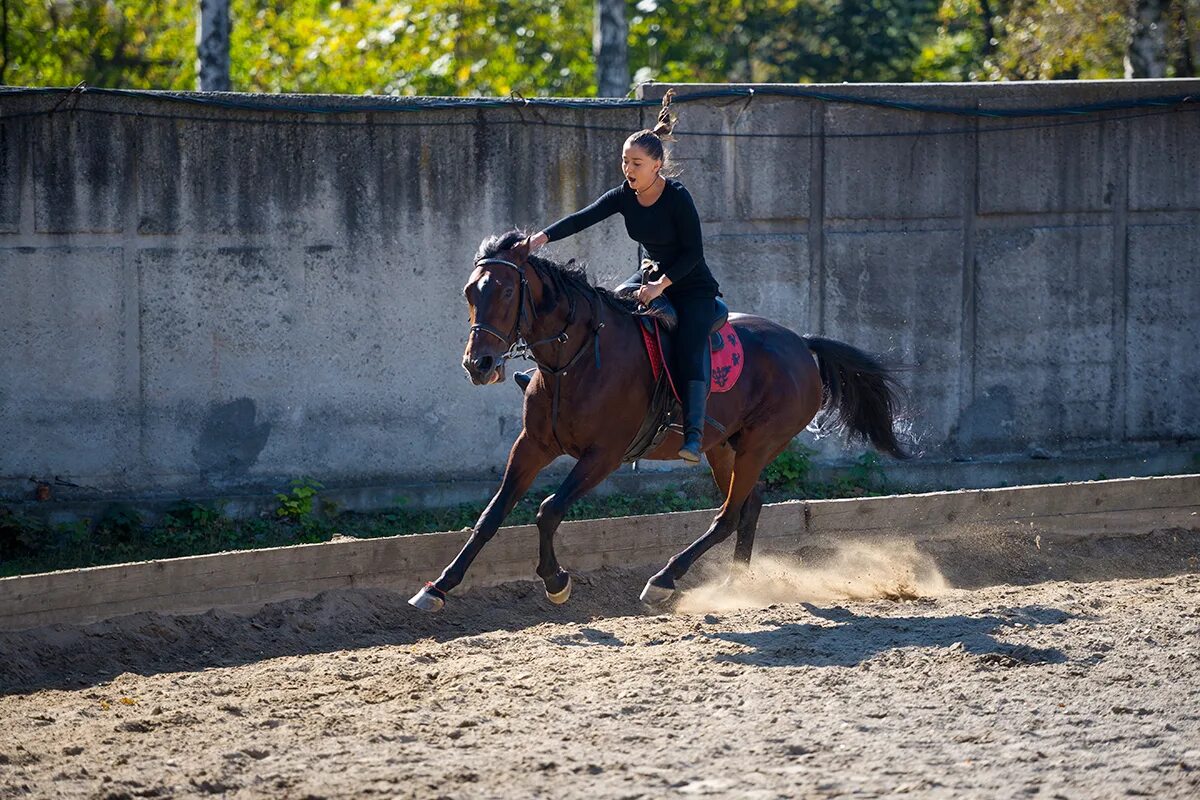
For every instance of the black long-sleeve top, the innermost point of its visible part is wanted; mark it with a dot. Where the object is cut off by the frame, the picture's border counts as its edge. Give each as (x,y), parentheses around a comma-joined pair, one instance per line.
(668,231)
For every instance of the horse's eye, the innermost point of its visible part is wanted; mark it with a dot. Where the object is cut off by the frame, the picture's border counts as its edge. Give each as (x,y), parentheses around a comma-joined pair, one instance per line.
(508,292)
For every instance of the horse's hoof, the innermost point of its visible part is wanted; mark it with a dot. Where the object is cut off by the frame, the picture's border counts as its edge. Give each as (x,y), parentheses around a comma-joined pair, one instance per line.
(558,598)
(655,595)
(430,598)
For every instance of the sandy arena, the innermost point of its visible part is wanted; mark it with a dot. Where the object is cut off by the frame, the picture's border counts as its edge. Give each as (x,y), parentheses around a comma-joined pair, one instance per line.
(868,676)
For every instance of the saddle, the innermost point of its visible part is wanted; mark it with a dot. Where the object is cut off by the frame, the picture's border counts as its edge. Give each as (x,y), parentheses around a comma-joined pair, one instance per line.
(722,369)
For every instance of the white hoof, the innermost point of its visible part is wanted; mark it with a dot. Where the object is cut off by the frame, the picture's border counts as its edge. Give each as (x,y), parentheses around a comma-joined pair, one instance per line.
(426,600)
(655,595)
(561,597)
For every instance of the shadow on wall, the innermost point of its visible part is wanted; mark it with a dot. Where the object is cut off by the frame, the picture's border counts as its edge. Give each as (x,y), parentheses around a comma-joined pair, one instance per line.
(231,439)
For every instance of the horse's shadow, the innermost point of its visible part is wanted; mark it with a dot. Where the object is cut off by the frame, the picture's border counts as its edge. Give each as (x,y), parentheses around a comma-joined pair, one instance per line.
(854,639)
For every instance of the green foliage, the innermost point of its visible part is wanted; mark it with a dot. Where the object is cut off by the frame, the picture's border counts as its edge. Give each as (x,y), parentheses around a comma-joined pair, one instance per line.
(438,47)
(790,41)
(1046,39)
(119,525)
(21,535)
(864,477)
(544,47)
(297,505)
(790,468)
(186,512)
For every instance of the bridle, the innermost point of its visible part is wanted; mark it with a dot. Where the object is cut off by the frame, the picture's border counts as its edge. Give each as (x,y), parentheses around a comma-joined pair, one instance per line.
(518,347)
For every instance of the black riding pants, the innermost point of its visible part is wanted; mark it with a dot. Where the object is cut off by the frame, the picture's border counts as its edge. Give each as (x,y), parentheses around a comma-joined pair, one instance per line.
(696,317)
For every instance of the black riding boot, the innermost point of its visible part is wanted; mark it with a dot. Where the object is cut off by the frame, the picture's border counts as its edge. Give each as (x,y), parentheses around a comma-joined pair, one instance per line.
(694,402)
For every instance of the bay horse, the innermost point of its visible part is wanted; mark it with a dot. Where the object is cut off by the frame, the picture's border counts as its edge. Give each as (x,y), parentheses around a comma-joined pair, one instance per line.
(594,386)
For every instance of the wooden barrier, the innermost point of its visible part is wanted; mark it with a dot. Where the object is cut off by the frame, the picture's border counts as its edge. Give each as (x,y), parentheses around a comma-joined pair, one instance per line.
(249,578)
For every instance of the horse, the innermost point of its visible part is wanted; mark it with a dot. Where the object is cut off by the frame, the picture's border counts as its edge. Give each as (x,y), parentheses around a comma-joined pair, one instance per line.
(594,386)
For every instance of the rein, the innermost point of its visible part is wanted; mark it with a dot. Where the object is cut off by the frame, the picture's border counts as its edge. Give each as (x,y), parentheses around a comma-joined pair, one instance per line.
(519,347)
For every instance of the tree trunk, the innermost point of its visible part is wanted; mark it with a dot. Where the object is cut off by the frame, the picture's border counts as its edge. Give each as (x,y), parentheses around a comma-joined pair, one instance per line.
(212,46)
(610,45)
(1147,54)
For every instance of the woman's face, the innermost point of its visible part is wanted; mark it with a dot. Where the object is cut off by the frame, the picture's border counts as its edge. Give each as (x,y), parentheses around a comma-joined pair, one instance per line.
(640,169)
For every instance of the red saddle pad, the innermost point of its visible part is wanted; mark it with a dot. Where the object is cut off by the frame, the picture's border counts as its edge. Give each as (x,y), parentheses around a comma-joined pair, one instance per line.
(726,353)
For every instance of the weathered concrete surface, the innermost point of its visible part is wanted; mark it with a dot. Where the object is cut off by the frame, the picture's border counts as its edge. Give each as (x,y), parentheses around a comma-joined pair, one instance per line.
(255,577)
(210,301)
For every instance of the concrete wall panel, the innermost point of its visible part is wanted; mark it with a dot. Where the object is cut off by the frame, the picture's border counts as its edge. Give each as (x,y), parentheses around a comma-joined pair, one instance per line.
(1163,330)
(1048,169)
(13,138)
(871,173)
(773,175)
(764,274)
(1164,161)
(899,295)
(82,166)
(292,300)
(68,390)
(1044,337)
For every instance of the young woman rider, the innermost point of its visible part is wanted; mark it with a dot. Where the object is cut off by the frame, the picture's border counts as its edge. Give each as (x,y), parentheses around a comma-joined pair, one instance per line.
(661,217)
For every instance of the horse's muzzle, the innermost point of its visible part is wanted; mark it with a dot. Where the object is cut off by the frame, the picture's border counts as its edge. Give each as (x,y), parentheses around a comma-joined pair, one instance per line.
(484,370)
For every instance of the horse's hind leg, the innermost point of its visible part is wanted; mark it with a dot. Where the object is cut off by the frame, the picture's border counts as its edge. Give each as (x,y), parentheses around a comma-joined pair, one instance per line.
(747,466)
(747,526)
(591,469)
(721,460)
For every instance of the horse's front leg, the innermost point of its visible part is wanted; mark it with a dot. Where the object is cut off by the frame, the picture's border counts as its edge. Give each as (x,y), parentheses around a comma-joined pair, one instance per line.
(525,461)
(592,468)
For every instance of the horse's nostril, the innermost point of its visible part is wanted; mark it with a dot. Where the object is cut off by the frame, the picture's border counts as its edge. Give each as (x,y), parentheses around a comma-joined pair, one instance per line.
(484,363)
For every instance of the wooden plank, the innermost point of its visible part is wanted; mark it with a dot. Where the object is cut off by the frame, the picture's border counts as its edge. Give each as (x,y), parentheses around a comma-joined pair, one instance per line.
(246,578)
(963,507)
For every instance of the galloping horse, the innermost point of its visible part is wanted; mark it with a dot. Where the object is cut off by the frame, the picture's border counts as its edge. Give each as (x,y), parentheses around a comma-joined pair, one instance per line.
(594,386)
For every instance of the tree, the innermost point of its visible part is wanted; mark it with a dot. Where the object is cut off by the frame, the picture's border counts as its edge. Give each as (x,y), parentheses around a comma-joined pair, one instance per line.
(610,44)
(212,46)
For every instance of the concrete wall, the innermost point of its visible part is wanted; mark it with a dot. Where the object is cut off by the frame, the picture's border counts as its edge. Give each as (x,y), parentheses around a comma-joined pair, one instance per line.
(201,300)
(1043,518)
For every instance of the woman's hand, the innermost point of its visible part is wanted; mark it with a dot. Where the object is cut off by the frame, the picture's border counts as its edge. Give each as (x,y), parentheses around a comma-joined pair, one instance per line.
(537,240)
(647,294)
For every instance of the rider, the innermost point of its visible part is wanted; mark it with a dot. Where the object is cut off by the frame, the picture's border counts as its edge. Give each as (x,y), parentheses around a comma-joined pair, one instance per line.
(661,217)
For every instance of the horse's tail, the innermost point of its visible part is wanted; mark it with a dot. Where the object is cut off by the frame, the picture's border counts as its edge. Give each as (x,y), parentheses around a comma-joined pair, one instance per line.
(862,392)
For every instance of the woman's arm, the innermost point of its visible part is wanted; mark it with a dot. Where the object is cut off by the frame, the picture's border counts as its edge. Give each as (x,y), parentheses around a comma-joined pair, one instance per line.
(687,226)
(605,206)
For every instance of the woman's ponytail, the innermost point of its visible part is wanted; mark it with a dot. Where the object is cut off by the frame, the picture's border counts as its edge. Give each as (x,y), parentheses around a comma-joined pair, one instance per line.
(652,140)
(666,120)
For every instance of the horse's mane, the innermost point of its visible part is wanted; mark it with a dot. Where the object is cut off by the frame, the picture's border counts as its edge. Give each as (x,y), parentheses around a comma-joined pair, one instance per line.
(562,277)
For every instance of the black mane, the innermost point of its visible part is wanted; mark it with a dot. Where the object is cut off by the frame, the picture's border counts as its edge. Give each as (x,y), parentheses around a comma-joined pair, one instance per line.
(560,276)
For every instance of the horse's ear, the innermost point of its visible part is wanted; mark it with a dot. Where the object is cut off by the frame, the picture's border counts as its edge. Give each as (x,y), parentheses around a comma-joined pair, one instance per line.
(520,252)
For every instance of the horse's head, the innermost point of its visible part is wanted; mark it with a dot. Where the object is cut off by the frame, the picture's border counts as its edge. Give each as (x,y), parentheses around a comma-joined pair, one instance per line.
(497,294)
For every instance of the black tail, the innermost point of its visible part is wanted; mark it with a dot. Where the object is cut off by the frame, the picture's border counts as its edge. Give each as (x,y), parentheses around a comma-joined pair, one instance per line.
(863,392)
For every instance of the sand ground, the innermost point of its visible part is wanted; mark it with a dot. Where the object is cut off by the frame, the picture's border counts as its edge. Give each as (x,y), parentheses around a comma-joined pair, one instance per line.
(867,677)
